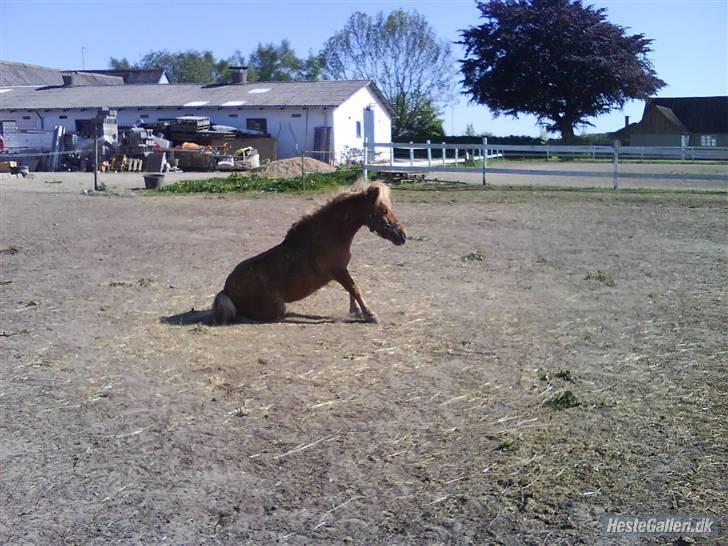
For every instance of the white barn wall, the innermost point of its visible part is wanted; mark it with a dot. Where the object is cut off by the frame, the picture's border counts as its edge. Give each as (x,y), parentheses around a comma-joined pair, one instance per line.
(351,111)
(293,127)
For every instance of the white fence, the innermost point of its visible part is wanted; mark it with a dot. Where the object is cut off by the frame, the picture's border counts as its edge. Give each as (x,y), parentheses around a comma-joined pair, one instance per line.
(453,158)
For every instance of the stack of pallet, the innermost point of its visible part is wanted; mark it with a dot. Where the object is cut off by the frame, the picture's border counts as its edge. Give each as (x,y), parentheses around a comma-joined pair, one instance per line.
(187,128)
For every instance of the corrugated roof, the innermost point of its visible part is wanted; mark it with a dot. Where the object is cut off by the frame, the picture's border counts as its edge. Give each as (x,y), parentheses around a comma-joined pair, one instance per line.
(88,78)
(329,93)
(134,75)
(21,74)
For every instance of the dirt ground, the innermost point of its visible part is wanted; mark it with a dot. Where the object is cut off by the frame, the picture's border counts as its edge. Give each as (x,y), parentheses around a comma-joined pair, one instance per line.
(436,426)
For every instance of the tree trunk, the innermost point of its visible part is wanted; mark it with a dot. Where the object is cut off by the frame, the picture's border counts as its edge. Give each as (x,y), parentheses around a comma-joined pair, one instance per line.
(566,128)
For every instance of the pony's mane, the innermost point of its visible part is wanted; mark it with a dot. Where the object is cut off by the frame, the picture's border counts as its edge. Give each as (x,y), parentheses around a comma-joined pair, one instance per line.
(360,187)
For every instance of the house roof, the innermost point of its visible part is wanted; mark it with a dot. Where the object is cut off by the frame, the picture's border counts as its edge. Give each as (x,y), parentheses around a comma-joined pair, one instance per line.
(696,114)
(324,93)
(21,74)
(88,78)
(134,75)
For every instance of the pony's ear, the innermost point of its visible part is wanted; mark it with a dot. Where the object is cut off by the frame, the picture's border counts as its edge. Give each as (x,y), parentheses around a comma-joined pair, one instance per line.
(372,194)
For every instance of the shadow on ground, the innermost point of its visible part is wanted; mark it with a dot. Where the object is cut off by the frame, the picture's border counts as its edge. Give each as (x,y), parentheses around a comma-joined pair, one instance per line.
(194,316)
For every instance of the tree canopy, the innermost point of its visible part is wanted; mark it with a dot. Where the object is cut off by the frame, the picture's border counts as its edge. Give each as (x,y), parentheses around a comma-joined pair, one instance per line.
(268,62)
(559,60)
(402,55)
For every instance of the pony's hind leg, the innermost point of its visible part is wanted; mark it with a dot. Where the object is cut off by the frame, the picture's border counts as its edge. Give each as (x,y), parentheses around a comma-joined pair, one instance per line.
(223,310)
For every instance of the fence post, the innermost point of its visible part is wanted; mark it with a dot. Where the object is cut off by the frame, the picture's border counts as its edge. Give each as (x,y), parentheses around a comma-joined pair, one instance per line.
(412,156)
(443,154)
(391,155)
(615,160)
(485,160)
(429,154)
(365,159)
(457,154)
(96,163)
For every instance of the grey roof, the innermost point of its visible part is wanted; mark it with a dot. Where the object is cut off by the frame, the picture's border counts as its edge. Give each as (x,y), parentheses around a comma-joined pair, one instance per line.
(134,75)
(21,74)
(672,118)
(88,78)
(329,93)
(697,114)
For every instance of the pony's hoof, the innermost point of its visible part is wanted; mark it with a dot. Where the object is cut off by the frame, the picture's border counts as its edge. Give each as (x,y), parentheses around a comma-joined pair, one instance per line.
(372,319)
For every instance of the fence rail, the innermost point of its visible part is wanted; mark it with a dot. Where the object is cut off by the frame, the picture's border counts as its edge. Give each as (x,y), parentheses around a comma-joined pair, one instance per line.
(441,161)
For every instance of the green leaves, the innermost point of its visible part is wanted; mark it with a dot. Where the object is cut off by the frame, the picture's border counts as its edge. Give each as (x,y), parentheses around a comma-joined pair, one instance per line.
(245,183)
(402,55)
(556,59)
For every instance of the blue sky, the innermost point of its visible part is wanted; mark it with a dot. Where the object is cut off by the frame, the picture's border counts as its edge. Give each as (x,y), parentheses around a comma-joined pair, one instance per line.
(690,38)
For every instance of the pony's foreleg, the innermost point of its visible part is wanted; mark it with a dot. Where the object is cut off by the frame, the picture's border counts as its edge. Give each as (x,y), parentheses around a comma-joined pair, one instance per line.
(355,296)
(353,307)
(223,310)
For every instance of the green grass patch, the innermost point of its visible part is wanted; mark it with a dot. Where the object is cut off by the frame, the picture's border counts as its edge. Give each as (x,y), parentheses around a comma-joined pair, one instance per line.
(474,256)
(507,446)
(601,276)
(563,400)
(236,183)
(564,374)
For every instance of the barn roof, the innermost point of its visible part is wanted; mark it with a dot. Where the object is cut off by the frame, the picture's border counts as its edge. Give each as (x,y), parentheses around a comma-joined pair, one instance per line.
(696,114)
(325,93)
(134,75)
(22,74)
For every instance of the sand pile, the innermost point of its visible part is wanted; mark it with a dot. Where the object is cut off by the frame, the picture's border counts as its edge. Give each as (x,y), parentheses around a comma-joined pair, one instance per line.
(289,168)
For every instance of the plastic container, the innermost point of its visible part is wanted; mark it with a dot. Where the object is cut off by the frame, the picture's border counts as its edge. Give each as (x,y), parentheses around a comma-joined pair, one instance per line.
(153,181)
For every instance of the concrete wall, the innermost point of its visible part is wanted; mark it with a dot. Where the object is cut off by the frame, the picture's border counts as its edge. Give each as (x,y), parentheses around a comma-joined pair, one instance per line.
(349,113)
(673,140)
(655,140)
(293,128)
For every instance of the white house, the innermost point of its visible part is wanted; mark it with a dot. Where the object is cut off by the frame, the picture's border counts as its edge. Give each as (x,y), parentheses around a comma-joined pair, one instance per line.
(303,116)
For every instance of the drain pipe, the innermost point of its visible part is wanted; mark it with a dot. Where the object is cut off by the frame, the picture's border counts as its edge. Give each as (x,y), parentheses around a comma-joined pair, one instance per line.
(40,118)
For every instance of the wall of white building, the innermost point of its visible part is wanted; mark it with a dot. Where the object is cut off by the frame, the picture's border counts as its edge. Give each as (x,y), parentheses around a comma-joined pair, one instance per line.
(347,134)
(293,128)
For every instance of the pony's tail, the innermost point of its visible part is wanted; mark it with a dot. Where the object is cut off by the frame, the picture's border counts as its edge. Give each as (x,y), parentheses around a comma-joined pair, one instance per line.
(223,310)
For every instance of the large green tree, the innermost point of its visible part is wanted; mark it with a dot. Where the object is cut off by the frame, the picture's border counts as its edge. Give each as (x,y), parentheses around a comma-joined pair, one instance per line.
(402,55)
(181,67)
(272,62)
(268,62)
(559,60)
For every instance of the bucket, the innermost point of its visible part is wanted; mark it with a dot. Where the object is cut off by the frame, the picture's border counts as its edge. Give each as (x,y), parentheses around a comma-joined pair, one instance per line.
(153,181)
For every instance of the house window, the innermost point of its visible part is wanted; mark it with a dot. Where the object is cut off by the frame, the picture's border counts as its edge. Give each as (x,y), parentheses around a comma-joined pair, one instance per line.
(295,115)
(358,129)
(257,124)
(63,117)
(232,115)
(708,140)
(26,117)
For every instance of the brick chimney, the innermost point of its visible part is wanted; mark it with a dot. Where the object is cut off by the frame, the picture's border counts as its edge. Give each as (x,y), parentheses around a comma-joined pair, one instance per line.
(240,74)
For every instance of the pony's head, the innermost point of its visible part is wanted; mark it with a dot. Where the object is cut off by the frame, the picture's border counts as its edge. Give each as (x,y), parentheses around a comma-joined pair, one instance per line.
(382,220)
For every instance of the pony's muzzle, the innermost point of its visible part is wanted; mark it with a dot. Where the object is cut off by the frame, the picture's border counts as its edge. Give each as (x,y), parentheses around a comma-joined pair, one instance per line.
(400,236)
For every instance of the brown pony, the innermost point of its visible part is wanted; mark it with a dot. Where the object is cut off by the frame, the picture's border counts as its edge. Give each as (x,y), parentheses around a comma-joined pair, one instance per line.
(316,251)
